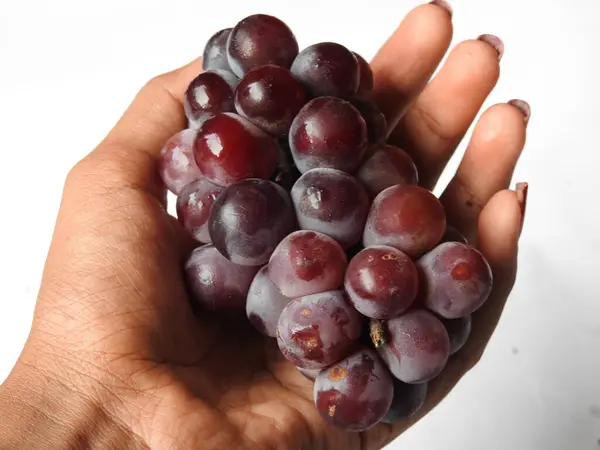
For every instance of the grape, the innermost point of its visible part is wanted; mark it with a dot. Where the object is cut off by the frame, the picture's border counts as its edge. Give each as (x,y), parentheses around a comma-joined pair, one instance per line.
(265,303)
(216,283)
(381,282)
(457,280)
(453,235)
(318,330)
(408,400)
(208,94)
(332,202)
(215,52)
(375,120)
(259,40)
(270,97)
(356,393)
(365,84)
(328,133)
(459,331)
(328,69)
(387,166)
(229,148)
(311,374)
(307,262)
(194,205)
(176,164)
(415,346)
(409,218)
(249,219)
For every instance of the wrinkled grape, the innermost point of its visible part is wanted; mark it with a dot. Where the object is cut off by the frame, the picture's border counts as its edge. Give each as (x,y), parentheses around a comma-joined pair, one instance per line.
(385,167)
(265,303)
(194,205)
(408,400)
(176,164)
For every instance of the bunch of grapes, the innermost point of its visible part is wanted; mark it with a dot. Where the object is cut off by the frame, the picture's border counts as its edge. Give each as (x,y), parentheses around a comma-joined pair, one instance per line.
(315,227)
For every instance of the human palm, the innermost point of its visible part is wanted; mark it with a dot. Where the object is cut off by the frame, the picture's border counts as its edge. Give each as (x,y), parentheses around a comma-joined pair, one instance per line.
(114,323)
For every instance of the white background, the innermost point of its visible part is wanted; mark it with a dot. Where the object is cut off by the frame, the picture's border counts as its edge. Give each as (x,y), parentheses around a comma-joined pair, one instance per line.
(68,69)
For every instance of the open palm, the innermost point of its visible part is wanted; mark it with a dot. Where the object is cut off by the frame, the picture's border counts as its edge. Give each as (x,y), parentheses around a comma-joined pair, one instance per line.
(113,321)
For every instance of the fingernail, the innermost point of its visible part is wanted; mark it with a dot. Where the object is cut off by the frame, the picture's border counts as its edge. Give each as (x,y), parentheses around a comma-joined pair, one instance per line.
(495,42)
(522,106)
(443,4)
(521,190)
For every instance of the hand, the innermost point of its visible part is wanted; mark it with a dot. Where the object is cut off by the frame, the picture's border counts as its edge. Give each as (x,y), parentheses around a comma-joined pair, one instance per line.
(116,357)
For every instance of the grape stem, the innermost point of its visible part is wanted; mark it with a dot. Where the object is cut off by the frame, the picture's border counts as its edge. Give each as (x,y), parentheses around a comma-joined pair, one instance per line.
(377,333)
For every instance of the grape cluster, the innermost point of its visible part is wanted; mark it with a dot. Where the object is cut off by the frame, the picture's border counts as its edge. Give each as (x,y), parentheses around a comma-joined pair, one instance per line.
(315,227)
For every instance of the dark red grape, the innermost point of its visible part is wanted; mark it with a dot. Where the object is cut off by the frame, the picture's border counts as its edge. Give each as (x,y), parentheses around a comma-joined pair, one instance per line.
(356,393)
(216,283)
(318,330)
(176,164)
(215,52)
(208,94)
(332,202)
(229,148)
(311,374)
(457,280)
(265,303)
(375,120)
(387,166)
(409,218)
(259,40)
(328,69)
(408,400)
(270,97)
(328,133)
(416,346)
(381,282)
(249,219)
(307,262)
(365,84)
(194,205)
(459,331)
(453,235)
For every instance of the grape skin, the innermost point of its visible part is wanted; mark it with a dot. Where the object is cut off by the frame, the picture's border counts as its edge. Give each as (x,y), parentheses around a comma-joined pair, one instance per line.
(307,262)
(216,283)
(209,93)
(453,235)
(416,347)
(215,51)
(176,163)
(311,374)
(265,303)
(375,120)
(408,400)
(331,202)
(318,330)
(194,205)
(459,331)
(457,280)
(365,84)
(356,393)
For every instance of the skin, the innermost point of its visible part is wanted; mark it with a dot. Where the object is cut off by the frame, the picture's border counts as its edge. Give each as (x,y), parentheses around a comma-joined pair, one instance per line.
(116,358)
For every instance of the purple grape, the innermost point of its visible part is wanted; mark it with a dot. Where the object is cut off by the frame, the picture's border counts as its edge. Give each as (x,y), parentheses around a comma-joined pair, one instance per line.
(415,346)
(332,202)
(375,120)
(365,84)
(311,374)
(328,69)
(457,280)
(208,94)
(453,235)
(307,262)
(194,205)
(381,282)
(215,52)
(356,393)
(229,148)
(216,283)
(176,164)
(459,331)
(318,330)
(265,303)
(408,400)
(270,97)
(259,40)
(328,133)
(409,218)
(249,219)
(387,166)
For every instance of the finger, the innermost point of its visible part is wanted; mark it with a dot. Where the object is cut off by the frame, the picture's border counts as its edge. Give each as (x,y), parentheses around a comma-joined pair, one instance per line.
(438,120)
(487,166)
(407,60)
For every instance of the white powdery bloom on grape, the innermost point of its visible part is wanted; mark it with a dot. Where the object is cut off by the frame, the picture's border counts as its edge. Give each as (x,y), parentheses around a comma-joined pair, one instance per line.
(177,166)
(265,303)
